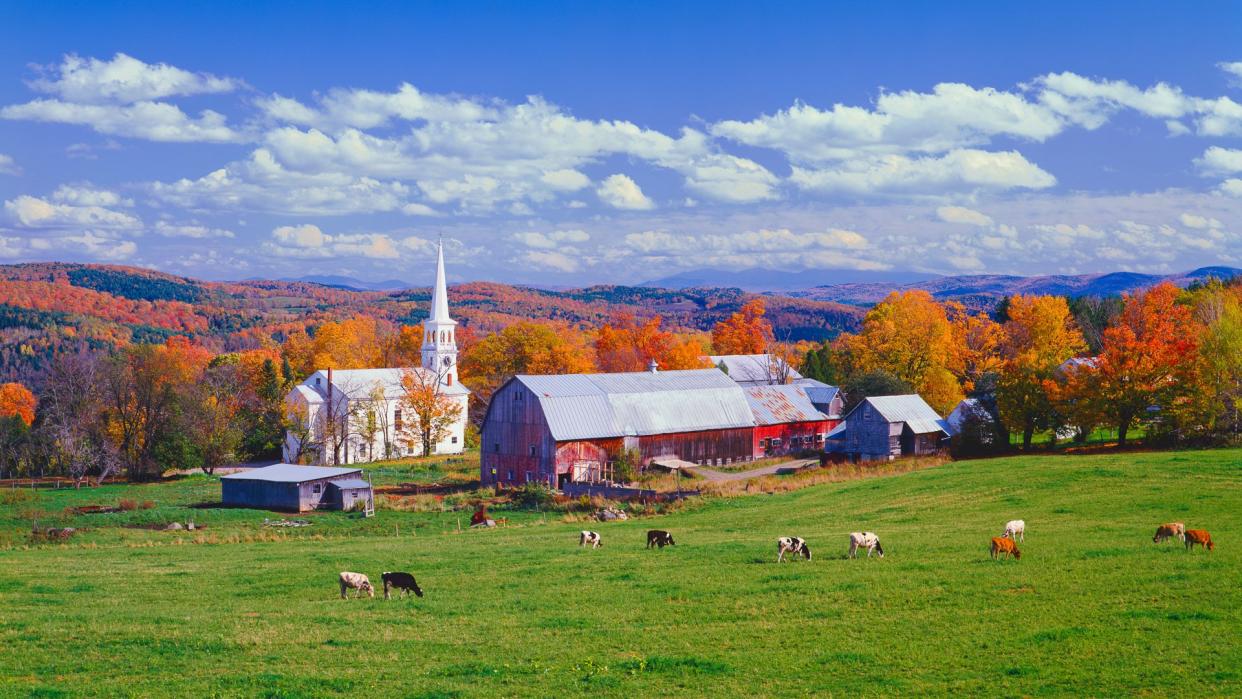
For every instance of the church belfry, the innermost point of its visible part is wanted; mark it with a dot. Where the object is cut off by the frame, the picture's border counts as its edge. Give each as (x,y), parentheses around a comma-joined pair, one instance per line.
(439,330)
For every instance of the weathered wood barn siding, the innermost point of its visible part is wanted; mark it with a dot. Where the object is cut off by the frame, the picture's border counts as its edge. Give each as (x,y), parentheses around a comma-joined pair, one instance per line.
(884,427)
(516,439)
(793,437)
(712,447)
(870,436)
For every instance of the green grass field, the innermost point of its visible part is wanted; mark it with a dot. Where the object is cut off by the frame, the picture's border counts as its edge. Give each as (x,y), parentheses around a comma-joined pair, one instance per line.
(1093,608)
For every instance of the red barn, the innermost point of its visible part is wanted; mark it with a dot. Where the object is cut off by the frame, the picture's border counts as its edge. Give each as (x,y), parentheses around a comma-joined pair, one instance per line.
(786,421)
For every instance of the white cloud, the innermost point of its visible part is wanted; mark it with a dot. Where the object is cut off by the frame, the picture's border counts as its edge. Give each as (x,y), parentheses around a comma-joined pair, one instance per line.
(33,212)
(553,240)
(621,192)
(1231,187)
(8,166)
(190,230)
(772,248)
(551,259)
(125,79)
(155,121)
(1220,161)
(1195,221)
(961,214)
(86,195)
(957,170)
(1233,68)
(309,241)
(366,109)
(419,210)
(566,180)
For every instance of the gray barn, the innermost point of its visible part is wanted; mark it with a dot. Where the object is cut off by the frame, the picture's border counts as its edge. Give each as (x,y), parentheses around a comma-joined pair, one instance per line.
(296,488)
(885,427)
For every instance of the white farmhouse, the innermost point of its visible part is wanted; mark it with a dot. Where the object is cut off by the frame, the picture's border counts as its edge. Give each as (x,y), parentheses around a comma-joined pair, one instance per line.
(347,416)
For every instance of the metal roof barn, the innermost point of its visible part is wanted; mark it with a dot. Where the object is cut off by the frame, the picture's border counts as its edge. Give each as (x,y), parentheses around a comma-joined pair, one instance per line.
(777,404)
(294,488)
(753,368)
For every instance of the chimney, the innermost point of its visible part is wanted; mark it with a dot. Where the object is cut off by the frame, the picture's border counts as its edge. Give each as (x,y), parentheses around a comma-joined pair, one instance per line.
(654,366)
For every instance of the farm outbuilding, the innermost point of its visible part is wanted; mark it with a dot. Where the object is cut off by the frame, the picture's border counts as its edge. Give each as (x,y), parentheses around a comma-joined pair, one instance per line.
(885,427)
(567,428)
(297,488)
(786,421)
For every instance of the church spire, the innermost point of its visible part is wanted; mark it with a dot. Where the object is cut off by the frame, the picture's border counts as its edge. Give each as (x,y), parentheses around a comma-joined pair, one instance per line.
(439,295)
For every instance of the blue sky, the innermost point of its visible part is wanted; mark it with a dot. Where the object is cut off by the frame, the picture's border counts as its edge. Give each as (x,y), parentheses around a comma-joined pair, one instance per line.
(573,144)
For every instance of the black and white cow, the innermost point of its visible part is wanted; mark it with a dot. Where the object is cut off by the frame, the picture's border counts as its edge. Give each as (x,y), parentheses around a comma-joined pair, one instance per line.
(591,539)
(354,581)
(659,537)
(401,581)
(865,540)
(792,544)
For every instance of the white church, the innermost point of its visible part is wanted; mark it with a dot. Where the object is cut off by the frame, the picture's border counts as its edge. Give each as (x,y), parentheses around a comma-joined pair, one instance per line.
(367,405)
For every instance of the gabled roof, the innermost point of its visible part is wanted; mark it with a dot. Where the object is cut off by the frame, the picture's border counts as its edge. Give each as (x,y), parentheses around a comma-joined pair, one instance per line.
(350,483)
(819,392)
(592,406)
(777,404)
(290,473)
(750,368)
(910,409)
(359,383)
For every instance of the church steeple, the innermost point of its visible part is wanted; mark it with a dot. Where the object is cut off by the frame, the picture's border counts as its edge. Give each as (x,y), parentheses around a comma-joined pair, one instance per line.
(440,330)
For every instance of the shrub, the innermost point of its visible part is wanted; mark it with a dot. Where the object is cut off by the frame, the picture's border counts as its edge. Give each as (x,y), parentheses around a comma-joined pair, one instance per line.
(533,496)
(127,505)
(147,504)
(16,496)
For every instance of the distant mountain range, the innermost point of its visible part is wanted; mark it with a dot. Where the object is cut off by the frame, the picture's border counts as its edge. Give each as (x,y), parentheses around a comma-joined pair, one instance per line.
(985,290)
(349,283)
(780,280)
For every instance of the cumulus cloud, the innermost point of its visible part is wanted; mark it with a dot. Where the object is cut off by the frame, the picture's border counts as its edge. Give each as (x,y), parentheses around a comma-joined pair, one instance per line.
(366,109)
(309,241)
(8,166)
(87,195)
(552,259)
(958,170)
(961,214)
(190,230)
(621,192)
(154,121)
(782,247)
(124,79)
(552,240)
(34,212)
(1233,68)
(1220,161)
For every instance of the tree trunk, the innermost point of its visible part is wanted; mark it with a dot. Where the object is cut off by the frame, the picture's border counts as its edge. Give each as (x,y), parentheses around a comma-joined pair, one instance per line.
(1028,431)
(1123,426)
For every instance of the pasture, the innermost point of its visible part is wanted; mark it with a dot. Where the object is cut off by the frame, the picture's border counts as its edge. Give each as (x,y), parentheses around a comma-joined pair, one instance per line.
(1093,608)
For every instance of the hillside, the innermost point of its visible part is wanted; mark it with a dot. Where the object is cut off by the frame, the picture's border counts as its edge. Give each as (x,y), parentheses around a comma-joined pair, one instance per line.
(1093,608)
(984,291)
(48,308)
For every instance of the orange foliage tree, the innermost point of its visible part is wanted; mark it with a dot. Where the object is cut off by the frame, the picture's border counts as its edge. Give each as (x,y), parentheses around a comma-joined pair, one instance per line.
(626,344)
(744,332)
(909,336)
(1039,335)
(16,399)
(1148,359)
(355,343)
(522,348)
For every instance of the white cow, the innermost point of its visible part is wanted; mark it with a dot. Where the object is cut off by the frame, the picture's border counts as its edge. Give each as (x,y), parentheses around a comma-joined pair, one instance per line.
(792,544)
(590,538)
(1015,529)
(355,581)
(866,540)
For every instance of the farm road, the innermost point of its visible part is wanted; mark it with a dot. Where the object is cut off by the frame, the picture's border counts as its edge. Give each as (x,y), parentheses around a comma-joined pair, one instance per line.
(720,476)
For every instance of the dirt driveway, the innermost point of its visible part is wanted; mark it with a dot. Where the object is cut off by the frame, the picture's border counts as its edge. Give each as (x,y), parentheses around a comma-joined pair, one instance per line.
(720,476)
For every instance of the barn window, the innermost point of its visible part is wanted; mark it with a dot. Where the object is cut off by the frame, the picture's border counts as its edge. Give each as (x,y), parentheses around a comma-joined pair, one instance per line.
(517,396)
(496,448)
(532,450)
(510,474)
(316,488)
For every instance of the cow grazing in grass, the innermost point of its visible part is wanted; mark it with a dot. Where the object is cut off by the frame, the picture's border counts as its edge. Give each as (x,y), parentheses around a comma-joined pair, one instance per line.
(865,540)
(401,581)
(659,537)
(1168,531)
(355,581)
(1015,529)
(1003,547)
(792,544)
(1200,537)
(591,539)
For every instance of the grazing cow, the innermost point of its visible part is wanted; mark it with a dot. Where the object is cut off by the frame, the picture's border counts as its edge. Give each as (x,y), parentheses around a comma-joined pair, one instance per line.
(1004,547)
(591,539)
(1200,537)
(401,581)
(659,537)
(1168,531)
(866,540)
(1015,529)
(355,581)
(792,544)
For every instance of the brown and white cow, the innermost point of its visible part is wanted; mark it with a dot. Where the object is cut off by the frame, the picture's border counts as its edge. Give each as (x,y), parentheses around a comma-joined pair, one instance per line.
(1167,531)
(592,539)
(1200,537)
(355,581)
(1003,547)
(1015,529)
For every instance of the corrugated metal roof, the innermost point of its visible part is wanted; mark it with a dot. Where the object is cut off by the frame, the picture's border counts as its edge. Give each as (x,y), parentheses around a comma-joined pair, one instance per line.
(819,392)
(351,483)
(910,409)
(750,368)
(592,406)
(290,473)
(775,405)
